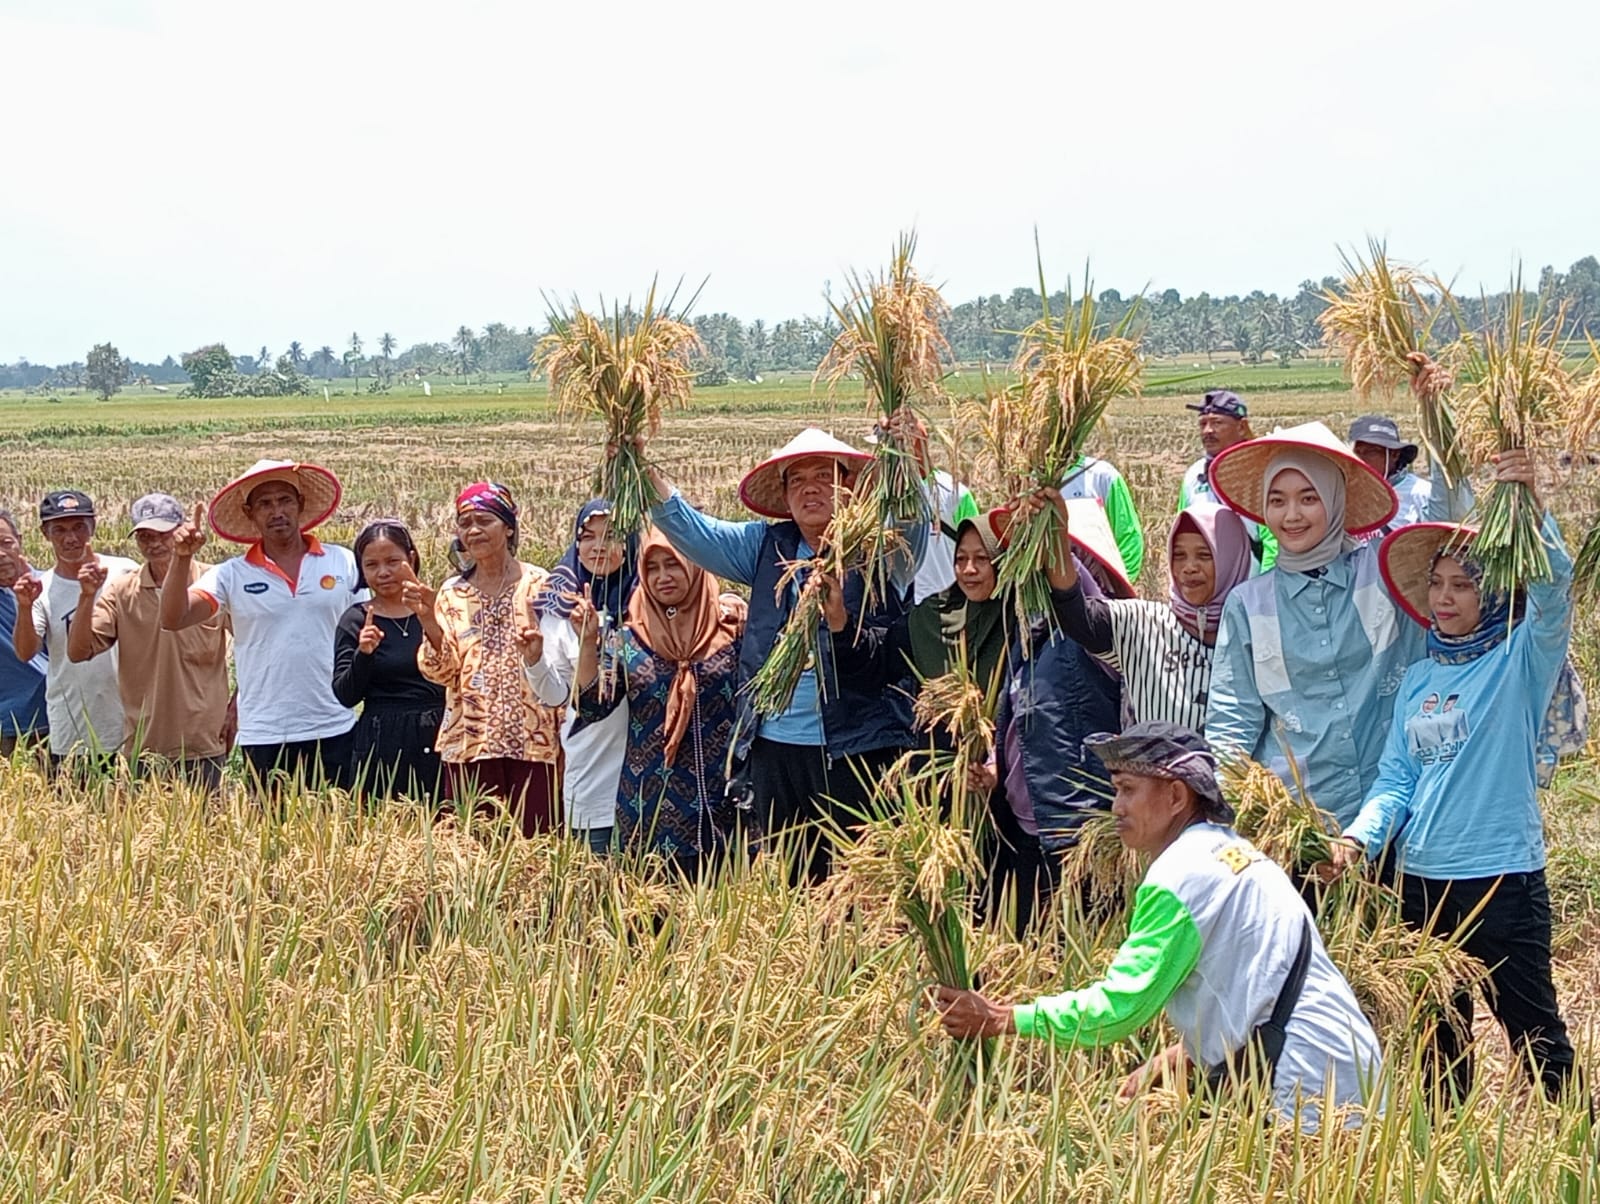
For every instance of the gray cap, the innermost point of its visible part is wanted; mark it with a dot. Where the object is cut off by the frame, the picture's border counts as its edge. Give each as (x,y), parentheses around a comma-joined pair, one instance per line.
(1382,431)
(157,512)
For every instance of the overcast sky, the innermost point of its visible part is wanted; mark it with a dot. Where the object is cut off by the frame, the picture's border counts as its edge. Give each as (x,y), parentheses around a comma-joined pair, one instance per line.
(183,171)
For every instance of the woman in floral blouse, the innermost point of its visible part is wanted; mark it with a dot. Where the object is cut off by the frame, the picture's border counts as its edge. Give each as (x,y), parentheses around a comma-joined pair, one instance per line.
(679,676)
(483,646)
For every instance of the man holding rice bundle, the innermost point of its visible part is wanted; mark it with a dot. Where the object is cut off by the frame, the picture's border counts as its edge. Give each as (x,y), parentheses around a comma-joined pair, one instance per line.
(1218,938)
(820,757)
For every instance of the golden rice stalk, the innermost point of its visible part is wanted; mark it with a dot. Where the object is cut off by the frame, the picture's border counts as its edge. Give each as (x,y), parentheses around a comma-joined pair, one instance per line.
(1099,868)
(624,367)
(890,332)
(1291,830)
(1583,413)
(956,703)
(1514,392)
(1378,322)
(1586,566)
(1071,370)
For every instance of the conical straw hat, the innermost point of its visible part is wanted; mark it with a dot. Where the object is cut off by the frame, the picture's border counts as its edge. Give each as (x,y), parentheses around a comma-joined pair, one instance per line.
(318,486)
(1405,557)
(762,487)
(1237,476)
(1092,537)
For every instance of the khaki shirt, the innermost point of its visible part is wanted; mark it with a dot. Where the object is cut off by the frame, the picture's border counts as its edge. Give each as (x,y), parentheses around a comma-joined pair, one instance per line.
(174,684)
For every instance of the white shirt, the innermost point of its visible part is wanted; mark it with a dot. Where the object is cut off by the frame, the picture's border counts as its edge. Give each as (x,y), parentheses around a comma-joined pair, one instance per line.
(937,572)
(283,640)
(82,701)
(594,754)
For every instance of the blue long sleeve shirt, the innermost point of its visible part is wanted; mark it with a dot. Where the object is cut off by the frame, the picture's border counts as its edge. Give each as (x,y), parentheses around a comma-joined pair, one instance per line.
(1307,667)
(731,550)
(1456,789)
(22,708)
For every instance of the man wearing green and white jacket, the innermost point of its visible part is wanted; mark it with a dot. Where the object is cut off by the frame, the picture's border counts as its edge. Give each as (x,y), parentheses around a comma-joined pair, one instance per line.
(1219,937)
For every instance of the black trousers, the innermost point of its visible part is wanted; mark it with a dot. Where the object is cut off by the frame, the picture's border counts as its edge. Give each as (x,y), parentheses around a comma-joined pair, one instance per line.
(318,763)
(1511,936)
(1021,877)
(799,798)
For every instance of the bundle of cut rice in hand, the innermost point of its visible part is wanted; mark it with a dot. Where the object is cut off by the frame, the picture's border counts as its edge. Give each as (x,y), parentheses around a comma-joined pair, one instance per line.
(1513,392)
(955,703)
(889,334)
(1585,417)
(623,367)
(1379,322)
(1071,369)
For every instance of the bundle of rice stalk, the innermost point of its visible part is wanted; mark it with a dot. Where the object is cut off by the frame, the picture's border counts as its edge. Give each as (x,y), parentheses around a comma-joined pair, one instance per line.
(889,333)
(1514,392)
(1378,321)
(622,366)
(857,540)
(1071,369)
(1099,868)
(1291,830)
(1583,414)
(1586,566)
(958,705)
(924,868)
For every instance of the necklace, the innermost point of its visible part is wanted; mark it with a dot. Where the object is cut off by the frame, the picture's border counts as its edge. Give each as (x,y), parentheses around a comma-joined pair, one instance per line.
(672,612)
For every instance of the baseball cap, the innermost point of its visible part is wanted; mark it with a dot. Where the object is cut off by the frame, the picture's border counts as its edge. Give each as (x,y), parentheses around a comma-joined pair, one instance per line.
(65,503)
(1223,402)
(1165,750)
(1383,431)
(157,512)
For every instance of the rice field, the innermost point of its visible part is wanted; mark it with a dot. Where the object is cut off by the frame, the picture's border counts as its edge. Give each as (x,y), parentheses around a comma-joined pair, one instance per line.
(200,1002)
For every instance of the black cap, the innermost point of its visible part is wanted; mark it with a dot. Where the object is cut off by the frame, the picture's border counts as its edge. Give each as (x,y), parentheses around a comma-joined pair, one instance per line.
(1223,402)
(65,503)
(1165,750)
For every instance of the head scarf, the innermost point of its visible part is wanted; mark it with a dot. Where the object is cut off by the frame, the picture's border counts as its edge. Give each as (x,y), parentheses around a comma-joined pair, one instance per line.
(1565,729)
(1224,533)
(490,496)
(937,625)
(706,633)
(609,594)
(1328,481)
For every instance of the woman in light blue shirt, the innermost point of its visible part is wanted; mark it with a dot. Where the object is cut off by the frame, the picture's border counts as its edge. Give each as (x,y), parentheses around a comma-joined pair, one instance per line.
(1456,789)
(1310,653)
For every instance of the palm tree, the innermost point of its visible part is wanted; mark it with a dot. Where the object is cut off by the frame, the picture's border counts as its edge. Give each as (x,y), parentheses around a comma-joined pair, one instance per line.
(386,345)
(325,359)
(466,348)
(297,355)
(352,360)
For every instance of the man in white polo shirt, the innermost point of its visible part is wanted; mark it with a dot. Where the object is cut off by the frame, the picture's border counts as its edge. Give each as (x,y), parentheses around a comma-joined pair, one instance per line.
(284,597)
(84,706)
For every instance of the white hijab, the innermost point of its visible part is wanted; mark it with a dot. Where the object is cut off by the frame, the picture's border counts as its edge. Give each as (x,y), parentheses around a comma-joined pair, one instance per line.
(1328,481)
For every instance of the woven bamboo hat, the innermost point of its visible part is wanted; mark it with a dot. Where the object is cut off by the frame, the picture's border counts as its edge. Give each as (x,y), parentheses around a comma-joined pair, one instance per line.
(1405,558)
(1092,538)
(319,487)
(762,487)
(1237,475)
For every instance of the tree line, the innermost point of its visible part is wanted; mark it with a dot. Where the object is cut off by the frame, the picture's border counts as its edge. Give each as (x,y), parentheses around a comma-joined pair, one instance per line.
(1258,327)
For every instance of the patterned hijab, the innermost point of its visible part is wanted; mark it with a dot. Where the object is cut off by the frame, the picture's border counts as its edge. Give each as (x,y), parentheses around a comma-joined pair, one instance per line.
(609,593)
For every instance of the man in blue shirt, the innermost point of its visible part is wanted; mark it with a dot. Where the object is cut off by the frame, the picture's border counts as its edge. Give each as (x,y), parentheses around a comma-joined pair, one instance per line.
(22,713)
(815,763)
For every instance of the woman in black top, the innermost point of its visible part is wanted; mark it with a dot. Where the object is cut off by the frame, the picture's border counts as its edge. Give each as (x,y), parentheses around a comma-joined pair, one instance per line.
(375,664)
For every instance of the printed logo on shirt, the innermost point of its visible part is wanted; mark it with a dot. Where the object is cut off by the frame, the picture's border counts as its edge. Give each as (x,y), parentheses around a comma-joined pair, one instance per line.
(1238,855)
(256,587)
(329,581)
(1435,735)
(1176,659)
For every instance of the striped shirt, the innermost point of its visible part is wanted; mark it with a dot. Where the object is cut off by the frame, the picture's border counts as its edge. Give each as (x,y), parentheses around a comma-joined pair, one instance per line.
(1166,671)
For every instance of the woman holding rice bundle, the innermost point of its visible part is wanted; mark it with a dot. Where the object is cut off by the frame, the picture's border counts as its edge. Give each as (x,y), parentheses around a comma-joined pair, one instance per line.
(484,647)
(1164,649)
(1311,653)
(375,650)
(1218,938)
(598,572)
(675,690)
(1456,789)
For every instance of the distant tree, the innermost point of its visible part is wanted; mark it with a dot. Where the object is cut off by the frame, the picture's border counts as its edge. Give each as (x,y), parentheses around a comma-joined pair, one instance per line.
(386,345)
(325,359)
(263,358)
(297,355)
(106,370)
(209,368)
(466,349)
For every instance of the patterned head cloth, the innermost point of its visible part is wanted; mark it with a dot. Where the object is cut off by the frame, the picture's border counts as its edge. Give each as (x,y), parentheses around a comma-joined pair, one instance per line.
(491,496)
(1165,750)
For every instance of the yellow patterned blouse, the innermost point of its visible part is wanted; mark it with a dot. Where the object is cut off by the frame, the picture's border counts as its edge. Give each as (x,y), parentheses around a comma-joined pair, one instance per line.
(490,709)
